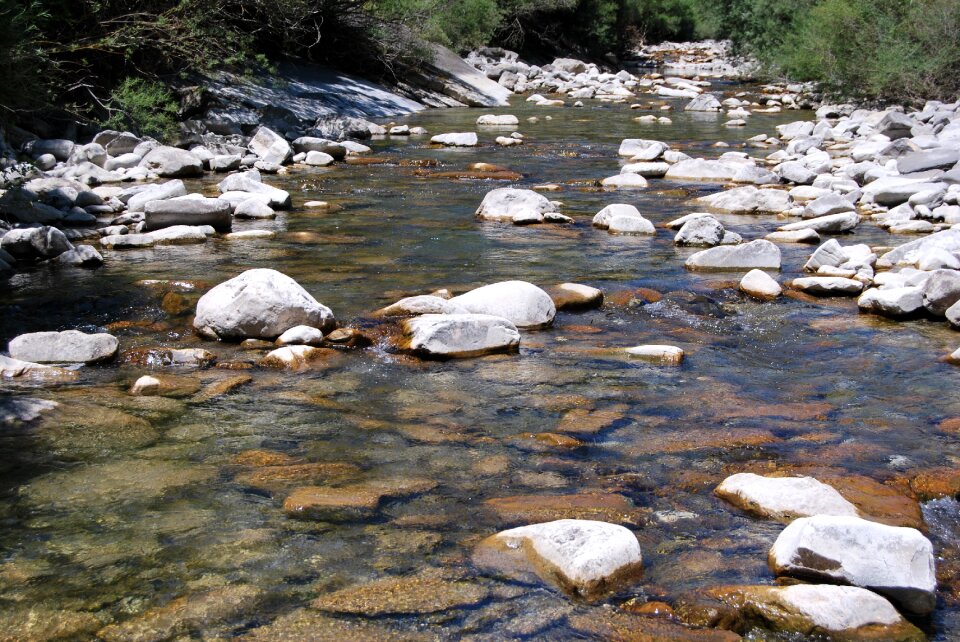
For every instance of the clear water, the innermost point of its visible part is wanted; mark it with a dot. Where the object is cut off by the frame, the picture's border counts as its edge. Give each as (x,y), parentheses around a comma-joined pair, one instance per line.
(112,505)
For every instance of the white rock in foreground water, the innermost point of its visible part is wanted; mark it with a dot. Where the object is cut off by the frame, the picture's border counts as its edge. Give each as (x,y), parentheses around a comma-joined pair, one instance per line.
(893,561)
(828,286)
(301,335)
(69,346)
(892,302)
(459,335)
(458,139)
(755,254)
(260,304)
(761,285)
(657,353)
(506,203)
(522,303)
(783,498)
(583,558)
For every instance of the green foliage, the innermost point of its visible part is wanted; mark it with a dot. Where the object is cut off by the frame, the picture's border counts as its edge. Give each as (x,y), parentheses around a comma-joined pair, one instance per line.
(144,107)
(879,49)
(26,71)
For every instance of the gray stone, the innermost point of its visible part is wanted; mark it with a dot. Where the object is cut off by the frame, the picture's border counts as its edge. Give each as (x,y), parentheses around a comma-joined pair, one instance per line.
(895,125)
(306,144)
(270,146)
(253,208)
(81,256)
(158,192)
(60,149)
(831,224)
(172,162)
(700,230)
(318,159)
(505,203)
(523,304)
(892,302)
(187,210)
(826,205)
(70,346)
(939,158)
(225,163)
(704,102)
(35,243)
(250,182)
(941,291)
(795,172)
(828,286)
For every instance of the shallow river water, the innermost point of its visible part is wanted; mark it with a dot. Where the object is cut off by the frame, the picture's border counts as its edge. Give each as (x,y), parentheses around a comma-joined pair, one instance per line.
(113,505)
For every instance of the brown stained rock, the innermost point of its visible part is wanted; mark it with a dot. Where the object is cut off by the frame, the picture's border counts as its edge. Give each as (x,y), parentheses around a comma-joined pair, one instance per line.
(617,626)
(951,425)
(532,509)
(430,591)
(276,478)
(878,502)
(433,433)
(742,608)
(309,626)
(623,298)
(184,614)
(156,357)
(221,387)
(82,429)
(700,439)
(348,503)
(492,465)
(553,439)
(234,365)
(487,167)
(260,458)
(495,175)
(571,296)
(368,160)
(296,357)
(935,483)
(802,411)
(649,609)
(581,421)
(37,624)
(257,344)
(165,385)
(562,402)
(177,305)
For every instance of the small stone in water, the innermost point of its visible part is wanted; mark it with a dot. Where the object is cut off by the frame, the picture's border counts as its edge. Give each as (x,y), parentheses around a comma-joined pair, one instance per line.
(670,355)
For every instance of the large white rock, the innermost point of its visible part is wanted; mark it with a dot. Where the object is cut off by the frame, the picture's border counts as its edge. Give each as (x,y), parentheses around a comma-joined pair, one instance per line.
(657,353)
(69,346)
(912,252)
(630,225)
(583,558)
(173,162)
(828,286)
(839,612)
(188,210)
(624,181)
(505,203)
(422,304)
(459,335)
(602,218)
(641,149)
(157,192)
(748,200)
(270,146)
(783,498)
(173,235)
(892,302)
(456,139)
(302,335)
(646,169)
(700,230)
(523,304)
(503,120)
(251,183)
(941,291)
(259,304)
(761,285)
(760,254)
(893,561)
(699,169)
(832,223)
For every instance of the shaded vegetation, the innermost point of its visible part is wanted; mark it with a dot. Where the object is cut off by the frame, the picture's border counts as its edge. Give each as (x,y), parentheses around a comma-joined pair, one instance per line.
(111,60)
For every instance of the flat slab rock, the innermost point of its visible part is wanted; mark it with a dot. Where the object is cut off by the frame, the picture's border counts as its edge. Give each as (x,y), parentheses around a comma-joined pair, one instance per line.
(348,503)
(783,498)
(893,561)
(760,254)
(607,507)
(582,558)
(430,591)
(459,335)
(69,346)
(307,625)
(844,613)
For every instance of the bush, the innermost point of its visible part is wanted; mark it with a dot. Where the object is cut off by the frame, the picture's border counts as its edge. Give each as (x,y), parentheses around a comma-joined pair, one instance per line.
(144,107)
(26,70)
(877,49)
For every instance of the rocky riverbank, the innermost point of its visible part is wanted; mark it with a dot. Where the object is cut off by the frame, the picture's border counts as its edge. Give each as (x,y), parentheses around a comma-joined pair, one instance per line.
(289,471)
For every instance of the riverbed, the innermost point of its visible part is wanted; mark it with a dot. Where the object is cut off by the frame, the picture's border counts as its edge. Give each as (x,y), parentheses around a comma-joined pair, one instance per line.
(114,505)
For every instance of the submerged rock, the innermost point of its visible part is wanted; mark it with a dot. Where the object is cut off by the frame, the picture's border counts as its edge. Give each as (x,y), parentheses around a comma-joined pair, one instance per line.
(583,558)
(260,303)
(522,303)
(69,346)
(429,591)
(350,503)
(893,561)
(783,498)
(459,335)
